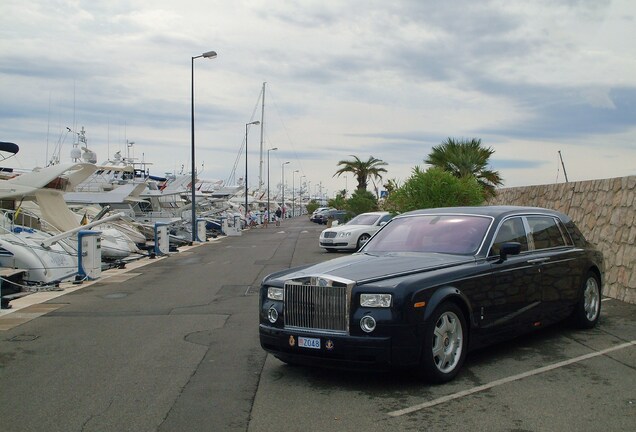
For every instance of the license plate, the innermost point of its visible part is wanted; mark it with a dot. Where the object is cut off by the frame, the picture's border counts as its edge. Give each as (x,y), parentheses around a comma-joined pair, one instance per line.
(313,343)
(327,241)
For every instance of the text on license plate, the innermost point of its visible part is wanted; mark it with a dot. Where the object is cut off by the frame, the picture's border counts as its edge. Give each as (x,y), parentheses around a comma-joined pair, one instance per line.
(309,342)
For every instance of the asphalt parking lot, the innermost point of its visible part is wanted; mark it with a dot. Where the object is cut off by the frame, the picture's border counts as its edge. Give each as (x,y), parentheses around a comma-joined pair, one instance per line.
(558,379)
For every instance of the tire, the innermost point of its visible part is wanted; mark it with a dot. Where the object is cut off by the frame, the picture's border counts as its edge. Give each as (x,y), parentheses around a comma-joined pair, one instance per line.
(588,309)
(445,344)
(362,240)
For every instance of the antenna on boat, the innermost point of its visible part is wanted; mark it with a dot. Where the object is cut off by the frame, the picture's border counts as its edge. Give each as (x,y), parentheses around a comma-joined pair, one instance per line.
(563,165)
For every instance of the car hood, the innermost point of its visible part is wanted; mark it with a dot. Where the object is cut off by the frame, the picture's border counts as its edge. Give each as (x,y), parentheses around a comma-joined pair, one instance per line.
(363,268)
(346,228)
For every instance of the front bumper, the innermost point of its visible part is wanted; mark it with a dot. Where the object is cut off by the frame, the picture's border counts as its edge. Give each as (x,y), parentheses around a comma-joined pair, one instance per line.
(339,351)
(336,244)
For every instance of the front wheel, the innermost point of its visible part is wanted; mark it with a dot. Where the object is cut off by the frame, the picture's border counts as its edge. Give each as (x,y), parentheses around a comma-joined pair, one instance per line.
(362,240)
(445,344)
(588,310)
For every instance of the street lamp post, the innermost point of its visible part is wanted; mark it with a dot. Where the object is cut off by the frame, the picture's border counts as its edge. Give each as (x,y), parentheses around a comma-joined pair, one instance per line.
(268,208)
(293,194)
(282,207)
(246,125)
(300,194)
(210,55)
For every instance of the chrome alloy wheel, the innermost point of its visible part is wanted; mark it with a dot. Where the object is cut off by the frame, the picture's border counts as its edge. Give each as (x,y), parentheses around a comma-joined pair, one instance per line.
(447,342)
(591,299)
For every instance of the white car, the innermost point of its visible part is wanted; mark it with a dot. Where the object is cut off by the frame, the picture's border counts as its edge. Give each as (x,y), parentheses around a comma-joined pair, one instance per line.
(354,233)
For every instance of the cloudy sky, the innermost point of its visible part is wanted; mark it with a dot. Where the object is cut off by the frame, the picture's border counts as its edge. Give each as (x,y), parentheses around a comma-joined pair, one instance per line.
(384,78)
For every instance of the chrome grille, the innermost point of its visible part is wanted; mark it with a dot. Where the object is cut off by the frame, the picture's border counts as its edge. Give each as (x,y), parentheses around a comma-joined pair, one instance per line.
(323,308)
(330,234)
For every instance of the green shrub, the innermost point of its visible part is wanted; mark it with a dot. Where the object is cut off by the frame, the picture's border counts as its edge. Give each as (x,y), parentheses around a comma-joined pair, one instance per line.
(362,201)
(434,188)
(312,205)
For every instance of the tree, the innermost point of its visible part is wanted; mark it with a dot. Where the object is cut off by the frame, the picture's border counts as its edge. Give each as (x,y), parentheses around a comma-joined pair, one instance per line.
(466,158)
(434,188)
(312,205)
(391,185)
(362,170)
(362,201)
(339,201)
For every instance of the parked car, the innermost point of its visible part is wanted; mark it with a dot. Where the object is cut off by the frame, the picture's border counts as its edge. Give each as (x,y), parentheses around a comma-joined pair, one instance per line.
(432,285)
(335,215)
(319,209)
(317,215)
(354,233)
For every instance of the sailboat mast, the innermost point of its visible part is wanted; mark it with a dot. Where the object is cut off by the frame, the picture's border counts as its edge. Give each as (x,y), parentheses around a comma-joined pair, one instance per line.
(260,166)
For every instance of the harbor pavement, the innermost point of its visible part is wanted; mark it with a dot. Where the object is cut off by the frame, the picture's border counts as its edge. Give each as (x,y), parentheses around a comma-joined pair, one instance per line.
(171,345)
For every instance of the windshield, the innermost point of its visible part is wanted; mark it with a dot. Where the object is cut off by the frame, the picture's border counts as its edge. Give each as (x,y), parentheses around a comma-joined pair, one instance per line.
(451,234)
(363,219)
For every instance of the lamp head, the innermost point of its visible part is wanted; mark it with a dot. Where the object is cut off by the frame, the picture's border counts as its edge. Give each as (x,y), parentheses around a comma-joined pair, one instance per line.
(209,54)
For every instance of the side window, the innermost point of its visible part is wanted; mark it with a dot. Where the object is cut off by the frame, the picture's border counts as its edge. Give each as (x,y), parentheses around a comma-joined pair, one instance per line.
(545,232)
(385,218)
(511,230)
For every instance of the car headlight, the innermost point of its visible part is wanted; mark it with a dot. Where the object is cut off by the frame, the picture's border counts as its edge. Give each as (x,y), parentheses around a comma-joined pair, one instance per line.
(275,293)
(375,300)
(344,234)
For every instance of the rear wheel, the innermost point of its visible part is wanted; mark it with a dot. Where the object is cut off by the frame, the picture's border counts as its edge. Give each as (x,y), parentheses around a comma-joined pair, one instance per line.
(588,310)
(363,239)
(445,342)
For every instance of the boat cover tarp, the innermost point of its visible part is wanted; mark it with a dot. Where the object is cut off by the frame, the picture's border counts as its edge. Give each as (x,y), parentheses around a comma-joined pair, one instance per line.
(9,147)
(55,211)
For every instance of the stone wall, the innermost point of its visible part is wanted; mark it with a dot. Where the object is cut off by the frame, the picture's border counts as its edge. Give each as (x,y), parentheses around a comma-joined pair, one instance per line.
(605,211)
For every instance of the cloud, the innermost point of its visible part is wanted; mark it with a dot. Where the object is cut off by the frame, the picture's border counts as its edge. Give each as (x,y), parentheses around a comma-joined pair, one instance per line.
(391,79)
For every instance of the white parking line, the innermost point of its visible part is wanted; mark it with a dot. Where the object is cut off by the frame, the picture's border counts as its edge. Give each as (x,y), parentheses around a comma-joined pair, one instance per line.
(507,380)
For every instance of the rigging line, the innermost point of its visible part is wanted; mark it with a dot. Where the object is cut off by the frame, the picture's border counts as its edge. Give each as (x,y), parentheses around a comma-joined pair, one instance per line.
(273,102)
(232,177)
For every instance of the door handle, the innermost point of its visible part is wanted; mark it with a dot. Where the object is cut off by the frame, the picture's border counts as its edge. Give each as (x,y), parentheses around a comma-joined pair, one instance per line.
(538,260)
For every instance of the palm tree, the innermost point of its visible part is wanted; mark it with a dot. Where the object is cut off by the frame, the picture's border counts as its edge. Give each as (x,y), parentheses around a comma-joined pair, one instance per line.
(465,158)
(363,171)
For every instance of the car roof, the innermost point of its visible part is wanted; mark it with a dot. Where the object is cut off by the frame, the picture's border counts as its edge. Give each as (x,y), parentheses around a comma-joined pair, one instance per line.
(492,211)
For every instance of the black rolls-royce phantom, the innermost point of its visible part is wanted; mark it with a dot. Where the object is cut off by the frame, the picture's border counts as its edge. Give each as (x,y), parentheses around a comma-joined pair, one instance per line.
(432,285)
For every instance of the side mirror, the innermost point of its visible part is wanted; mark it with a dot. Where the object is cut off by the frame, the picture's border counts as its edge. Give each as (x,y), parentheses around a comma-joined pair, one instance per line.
(509,248)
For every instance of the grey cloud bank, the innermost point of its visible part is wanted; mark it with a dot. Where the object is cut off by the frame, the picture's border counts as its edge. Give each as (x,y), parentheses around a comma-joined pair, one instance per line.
(363,78)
